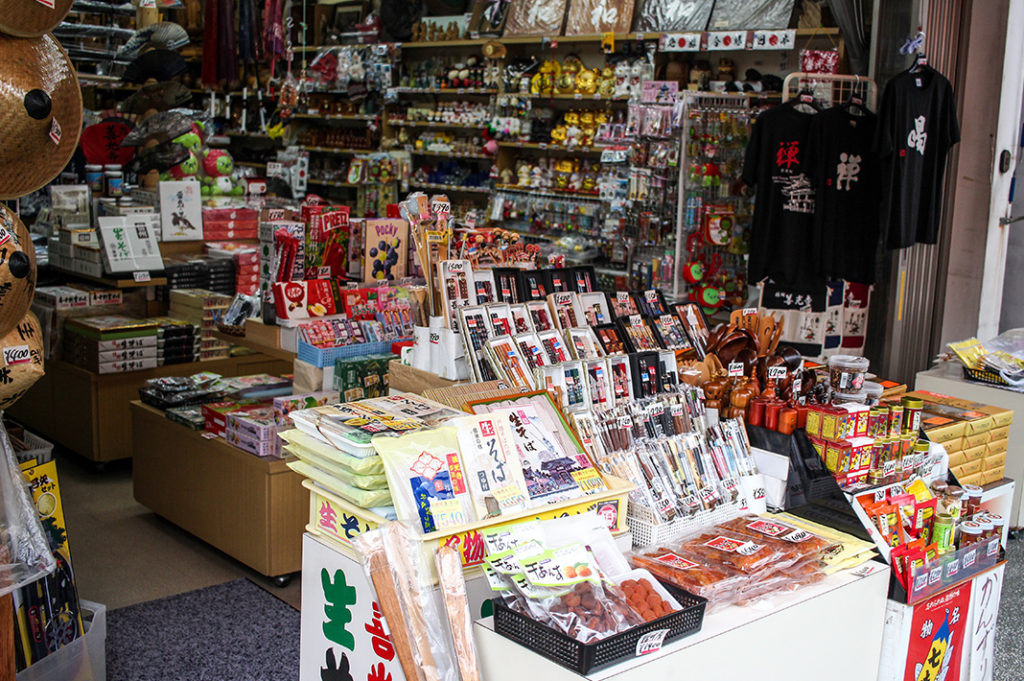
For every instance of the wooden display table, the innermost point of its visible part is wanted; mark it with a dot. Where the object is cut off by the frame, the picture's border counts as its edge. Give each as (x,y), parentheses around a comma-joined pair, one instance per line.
(255,510)
(88,412)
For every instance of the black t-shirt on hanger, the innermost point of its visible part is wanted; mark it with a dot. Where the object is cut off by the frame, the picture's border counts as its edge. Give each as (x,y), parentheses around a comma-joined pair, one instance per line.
(776,164)
(845,175)
(916,128)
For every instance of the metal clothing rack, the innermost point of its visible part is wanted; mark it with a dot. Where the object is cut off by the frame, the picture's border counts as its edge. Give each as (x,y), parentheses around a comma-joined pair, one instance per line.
(838,88)
(691,101)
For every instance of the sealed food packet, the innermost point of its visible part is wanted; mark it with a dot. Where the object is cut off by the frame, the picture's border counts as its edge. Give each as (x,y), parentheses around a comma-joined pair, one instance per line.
(716,583)
(493,470)
(799,542)
(456,602)
(737,551)
(427,478)
(579,601)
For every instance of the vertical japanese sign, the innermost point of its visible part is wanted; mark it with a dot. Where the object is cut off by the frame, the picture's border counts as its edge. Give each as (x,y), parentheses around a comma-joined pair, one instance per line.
(939,633)
(984,613)
(344,635)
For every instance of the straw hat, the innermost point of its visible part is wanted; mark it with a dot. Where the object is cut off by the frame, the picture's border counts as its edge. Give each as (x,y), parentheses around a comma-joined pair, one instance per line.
(31,18)
(18,374)
(17,272)
(40,113)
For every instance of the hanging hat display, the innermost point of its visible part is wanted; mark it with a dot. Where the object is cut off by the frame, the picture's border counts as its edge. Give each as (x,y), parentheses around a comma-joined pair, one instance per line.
(17,269)
(31,18)
(40,113)
(21,359)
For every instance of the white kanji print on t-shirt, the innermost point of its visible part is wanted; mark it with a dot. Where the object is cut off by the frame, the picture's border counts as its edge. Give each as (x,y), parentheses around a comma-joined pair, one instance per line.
(918,137)
(847,170)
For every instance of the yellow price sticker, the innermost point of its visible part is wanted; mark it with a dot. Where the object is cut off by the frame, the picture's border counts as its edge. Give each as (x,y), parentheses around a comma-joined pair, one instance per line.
(589,480)
(447,513)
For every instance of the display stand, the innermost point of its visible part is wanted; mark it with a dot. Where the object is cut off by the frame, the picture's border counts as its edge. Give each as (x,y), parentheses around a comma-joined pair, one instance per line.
(948,380)
(88,412)
(955,628)
(829,630)
(250,508)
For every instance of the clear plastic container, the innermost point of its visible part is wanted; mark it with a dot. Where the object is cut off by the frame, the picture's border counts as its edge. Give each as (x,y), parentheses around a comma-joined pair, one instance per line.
(850,398)
(873,391)
(846,373)
(84,659)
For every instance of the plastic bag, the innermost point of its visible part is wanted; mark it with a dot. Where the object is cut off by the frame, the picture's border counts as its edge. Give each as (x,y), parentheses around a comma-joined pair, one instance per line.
(299,442)
(535,17)
(729,15)
(24,553)
(569,586)
(599,16)
(715,583)
(794,541)
(456,602)
(424,471)
(673,15)
(736,551)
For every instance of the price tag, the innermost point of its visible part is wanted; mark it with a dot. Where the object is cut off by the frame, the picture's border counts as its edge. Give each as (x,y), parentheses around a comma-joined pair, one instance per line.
(747,311)
(735,369)
(778,373)
(207,435)
(636,320)
(141,277)
(5,235)
(447,513)
(650,642)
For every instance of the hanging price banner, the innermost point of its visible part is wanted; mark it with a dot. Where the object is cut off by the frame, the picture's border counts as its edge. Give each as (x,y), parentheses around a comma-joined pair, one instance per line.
(727,40)
(679,42)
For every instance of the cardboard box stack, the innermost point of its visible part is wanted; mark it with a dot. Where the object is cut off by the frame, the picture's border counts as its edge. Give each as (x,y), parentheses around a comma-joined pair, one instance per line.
(201,307)
(247,264)
(111,344)
(358,378)
(223,224)
(213,273)
(973,434)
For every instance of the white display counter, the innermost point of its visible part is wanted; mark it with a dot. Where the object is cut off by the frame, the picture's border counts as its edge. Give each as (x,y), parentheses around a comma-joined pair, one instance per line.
(948,379)
(830,630)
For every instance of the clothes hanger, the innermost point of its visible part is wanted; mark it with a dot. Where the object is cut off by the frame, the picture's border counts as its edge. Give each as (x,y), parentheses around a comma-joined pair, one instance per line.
(805,98)
(855,104)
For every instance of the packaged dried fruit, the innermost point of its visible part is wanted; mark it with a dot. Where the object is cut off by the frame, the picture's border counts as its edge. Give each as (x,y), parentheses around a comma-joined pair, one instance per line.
(783,537)
(568,584)
(716,583)
(738,551)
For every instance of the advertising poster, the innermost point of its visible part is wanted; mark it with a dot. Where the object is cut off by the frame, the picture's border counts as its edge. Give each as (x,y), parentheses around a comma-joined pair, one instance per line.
(937,635)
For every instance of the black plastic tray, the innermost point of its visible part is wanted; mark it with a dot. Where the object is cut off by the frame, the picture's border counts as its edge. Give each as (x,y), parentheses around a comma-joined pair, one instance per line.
(583,658)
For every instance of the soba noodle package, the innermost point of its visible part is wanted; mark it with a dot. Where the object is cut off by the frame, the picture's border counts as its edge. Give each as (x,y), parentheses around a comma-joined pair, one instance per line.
(427,478)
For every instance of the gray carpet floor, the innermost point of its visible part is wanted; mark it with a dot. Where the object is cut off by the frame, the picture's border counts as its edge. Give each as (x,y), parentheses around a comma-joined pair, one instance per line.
(229,632)
(1009,663)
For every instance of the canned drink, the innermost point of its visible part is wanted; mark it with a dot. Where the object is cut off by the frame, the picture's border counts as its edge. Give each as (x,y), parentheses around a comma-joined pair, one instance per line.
(942,532)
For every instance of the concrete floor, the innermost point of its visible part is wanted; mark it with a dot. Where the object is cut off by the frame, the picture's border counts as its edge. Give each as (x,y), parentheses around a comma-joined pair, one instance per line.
(122,553)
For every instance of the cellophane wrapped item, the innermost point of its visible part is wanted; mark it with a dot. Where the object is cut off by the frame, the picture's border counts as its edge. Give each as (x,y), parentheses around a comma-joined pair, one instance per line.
(535,17)
(599,16)
(456,603)
(673,15)
(736,15)
(24,553)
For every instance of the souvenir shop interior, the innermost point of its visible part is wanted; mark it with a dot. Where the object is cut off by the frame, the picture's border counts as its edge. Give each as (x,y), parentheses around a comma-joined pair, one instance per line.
(469,340)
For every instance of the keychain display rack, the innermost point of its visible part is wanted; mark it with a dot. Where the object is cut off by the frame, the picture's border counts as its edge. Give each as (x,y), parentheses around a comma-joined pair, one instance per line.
(715,129)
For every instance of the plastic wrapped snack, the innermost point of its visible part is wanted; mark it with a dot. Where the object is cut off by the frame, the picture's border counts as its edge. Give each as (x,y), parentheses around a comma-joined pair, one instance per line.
(798,542)
(737,551)
(424,471)
(456,603)
(569,586)
(729,15)
(599,16)
(535,17)
(673,15)
(715,583)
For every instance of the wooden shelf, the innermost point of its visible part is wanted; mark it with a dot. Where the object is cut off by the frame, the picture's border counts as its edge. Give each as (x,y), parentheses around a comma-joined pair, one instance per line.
(335,117)
(337,150)
(114,281)
(436,124)
(451,154)
(543,146)
(341,185)
(451,187)
(260,338)
(446,91)
(560,193)
(251,164)
(576,97)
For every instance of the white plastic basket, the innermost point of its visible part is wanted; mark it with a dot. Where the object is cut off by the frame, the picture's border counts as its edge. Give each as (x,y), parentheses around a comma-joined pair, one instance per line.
(84,659)
(648,530)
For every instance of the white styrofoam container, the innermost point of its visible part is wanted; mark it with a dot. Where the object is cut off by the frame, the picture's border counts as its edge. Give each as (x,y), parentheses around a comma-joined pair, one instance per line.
(84,659)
